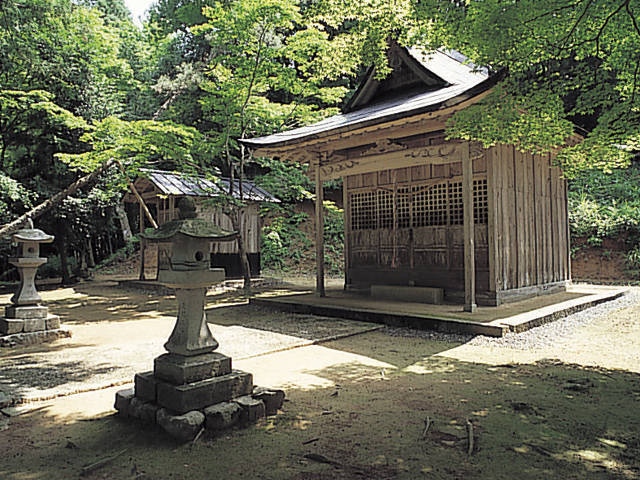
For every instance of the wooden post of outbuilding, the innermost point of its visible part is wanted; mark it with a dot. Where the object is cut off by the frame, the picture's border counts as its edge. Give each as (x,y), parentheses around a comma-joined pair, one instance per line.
(143,244)
(469,241)
(320,228)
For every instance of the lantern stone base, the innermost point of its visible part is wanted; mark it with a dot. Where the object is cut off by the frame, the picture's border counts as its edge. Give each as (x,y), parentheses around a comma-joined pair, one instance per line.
(29,325)
(184,395)
(33,338)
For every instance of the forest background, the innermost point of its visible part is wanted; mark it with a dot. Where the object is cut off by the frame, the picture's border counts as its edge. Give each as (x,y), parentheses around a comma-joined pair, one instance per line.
(83,88)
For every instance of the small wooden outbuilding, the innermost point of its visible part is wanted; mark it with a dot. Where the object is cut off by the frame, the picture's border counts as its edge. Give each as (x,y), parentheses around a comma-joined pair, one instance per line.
(482,225)
(161,190)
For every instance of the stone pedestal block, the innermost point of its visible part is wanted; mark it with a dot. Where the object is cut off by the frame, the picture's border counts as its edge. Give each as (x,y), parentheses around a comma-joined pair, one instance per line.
(272,398)
(9,326)
(251,410)
(123,400)
(183,427)
(222,416)
(146,386)
(34,325)
(143,411)
(21,312)
(198,395)
(179,370)
(52,322)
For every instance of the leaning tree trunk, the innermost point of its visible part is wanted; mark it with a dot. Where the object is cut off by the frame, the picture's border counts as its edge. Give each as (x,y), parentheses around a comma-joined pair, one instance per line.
(87,180)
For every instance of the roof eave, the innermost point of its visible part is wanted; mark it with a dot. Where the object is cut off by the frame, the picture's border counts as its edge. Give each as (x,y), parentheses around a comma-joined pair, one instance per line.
(467,95)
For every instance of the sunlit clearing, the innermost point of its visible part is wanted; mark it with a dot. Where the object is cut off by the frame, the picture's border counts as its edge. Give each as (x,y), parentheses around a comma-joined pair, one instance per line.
(312,367)
(425,367)
(595,457)
(612,443)
(61,294)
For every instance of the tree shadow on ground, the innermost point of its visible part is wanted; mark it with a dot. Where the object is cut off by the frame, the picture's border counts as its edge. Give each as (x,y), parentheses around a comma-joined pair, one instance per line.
(545,420)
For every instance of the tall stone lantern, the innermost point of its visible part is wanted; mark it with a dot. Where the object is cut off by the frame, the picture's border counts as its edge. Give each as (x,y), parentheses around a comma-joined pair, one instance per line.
(192,382)
(26,314)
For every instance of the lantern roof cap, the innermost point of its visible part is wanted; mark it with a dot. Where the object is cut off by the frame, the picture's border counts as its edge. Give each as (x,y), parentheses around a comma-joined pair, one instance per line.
(31,234)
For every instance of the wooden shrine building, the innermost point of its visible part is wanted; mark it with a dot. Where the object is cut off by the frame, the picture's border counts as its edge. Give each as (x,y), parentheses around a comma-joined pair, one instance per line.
(482,226)
(160,191)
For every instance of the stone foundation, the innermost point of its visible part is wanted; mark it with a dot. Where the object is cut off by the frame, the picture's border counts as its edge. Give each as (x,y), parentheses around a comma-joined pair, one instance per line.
(29,325)
(186,394)
(238,412)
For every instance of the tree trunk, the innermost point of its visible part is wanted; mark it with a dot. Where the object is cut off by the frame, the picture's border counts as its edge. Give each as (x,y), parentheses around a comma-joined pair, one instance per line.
(87,180)
(91,258)
(237,222)
(61,246)
(127,234)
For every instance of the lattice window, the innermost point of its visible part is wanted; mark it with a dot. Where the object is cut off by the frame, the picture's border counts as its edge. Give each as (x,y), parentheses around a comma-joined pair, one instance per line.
(438,204)
(456,210)
(480,201)
(403,211)
(418,206)
(430,205)
(363,211)
(385,209)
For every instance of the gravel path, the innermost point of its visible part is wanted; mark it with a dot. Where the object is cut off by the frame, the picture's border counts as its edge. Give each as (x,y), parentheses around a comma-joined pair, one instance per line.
(553,333)
(547,335)
(605,336)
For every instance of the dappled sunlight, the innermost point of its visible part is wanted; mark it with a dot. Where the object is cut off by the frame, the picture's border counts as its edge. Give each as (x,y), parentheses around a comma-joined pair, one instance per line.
(382,402)
(598,461)
(311,368)
(427,366)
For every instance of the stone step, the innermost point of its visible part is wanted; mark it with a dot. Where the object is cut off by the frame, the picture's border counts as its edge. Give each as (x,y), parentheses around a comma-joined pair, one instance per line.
(408,293)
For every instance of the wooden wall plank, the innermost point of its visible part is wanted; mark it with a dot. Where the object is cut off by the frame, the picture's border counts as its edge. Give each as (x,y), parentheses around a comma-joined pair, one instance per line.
(520,221)
(530,230)
(538,173)
(554,220)
(547,226)
(469,232)
(509,205)
(493,221)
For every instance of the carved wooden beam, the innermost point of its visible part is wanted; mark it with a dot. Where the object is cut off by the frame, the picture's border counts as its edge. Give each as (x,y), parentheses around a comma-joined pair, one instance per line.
(437,154)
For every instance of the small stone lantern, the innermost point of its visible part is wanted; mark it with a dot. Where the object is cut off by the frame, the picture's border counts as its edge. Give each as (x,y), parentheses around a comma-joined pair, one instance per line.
(191,382)
(26,313)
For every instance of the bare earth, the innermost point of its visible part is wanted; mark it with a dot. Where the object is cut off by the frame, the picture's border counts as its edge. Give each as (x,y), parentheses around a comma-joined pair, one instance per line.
(372,404)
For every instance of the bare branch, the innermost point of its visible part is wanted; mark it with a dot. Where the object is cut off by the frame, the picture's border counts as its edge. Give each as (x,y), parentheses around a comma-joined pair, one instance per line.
(634,21)
(580,18)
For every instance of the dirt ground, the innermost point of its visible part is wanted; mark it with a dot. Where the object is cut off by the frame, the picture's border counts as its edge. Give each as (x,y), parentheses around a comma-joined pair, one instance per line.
(381,404)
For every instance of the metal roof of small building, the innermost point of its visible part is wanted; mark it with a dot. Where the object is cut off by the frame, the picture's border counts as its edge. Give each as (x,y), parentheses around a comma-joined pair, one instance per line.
(462,81)
(177,184)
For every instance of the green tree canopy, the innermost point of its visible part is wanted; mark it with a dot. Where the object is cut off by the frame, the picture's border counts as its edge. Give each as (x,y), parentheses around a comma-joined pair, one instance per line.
(568,61)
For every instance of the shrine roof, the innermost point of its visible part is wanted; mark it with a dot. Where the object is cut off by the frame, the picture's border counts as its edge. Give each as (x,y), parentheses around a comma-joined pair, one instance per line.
(441,79)
(175,183)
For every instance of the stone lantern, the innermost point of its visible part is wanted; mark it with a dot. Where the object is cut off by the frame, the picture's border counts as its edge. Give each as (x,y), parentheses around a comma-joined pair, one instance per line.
(26,314)
(192,382)
(186,270)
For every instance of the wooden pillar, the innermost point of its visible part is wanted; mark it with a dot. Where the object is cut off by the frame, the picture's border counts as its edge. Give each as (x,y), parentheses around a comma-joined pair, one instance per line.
(142,241)
(469,241)
(347,232)
(320,228)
